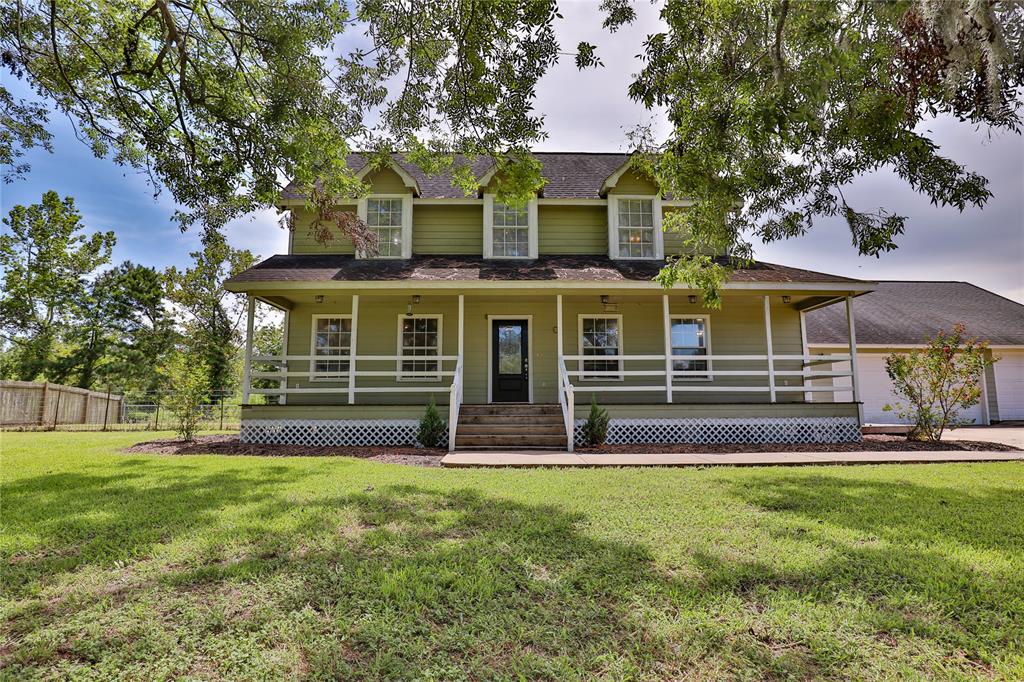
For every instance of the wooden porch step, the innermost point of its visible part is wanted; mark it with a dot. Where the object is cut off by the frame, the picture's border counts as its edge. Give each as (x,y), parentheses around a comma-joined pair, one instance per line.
(510,419)
(492,429)
(509,441)
(510,409)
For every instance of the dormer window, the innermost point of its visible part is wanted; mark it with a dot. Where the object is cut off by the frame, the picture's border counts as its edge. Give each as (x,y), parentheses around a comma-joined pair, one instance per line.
(634,227)
(509,231)
(389,216)
(384,218)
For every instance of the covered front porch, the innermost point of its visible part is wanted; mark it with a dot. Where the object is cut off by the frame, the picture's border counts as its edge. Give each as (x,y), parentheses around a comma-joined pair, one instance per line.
(662,364)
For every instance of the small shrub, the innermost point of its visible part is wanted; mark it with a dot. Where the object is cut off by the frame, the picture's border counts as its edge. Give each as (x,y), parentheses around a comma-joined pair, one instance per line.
(938,382)
(595,430)
(188,377)
(431,427)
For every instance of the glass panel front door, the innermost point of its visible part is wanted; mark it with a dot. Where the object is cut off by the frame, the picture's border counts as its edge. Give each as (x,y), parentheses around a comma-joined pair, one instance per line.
(510,371)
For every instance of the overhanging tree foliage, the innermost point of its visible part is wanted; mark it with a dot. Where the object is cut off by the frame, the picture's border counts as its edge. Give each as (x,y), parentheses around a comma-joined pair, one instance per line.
(775,105)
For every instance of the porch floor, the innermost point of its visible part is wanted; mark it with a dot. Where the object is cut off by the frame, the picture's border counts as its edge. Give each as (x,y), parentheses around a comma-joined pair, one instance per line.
(515,459)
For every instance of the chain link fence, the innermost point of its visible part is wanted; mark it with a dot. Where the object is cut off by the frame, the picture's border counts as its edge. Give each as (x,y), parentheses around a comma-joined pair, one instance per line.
(149,412)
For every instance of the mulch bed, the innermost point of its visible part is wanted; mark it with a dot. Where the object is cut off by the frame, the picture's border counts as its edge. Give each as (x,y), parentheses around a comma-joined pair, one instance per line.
(871,443)
(230,445)
(431,457)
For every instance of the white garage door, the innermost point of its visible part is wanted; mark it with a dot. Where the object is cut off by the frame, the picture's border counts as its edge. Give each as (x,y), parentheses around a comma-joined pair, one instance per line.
(1009,371)
(876,391)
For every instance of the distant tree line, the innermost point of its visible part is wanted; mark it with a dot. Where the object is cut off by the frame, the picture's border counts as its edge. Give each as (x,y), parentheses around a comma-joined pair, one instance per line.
(67,315)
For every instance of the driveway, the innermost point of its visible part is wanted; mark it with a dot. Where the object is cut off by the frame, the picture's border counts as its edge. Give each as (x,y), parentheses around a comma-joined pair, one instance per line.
(1008,433)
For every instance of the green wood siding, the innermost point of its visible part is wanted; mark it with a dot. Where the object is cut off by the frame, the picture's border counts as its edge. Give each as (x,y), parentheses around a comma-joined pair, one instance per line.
(441,229)
(632,182)
(673,238)
(567,230)
(386,181)
(302,241)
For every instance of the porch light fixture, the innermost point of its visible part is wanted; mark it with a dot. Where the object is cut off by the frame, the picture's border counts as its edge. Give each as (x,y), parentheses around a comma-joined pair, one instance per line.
(408,310)
(319,298)
(605,299)
(692,299)
(416,299)
(786,299)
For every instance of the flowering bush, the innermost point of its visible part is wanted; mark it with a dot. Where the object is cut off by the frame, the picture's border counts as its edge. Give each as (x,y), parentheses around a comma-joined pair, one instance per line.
(938,382)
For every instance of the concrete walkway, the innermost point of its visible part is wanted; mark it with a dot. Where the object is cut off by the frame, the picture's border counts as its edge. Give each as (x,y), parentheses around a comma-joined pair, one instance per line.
(567,459)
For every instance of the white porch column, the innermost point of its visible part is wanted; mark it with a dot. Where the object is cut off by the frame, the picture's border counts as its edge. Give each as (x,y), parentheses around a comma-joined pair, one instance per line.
(986,418)
(667,323)
(768,347)
(462,338)
(808,396)
(352,350)
(282,399)
(558,329)
(851,327)
(250,319)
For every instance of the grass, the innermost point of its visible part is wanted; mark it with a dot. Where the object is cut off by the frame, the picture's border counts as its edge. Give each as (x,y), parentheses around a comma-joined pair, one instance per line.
(149,567)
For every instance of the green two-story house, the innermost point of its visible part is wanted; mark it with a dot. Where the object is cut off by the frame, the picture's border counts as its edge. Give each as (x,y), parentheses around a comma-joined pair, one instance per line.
(513,319)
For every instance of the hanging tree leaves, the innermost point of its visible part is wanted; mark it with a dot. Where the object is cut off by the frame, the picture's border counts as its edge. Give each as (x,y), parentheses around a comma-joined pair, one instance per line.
(776,106)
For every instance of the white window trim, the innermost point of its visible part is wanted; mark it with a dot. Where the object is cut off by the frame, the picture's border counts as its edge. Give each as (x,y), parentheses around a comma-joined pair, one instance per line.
(406,224)
(490,353)
(613,225)
(531,219)
(579,342)
(313,375)
(707,345)
(440,349)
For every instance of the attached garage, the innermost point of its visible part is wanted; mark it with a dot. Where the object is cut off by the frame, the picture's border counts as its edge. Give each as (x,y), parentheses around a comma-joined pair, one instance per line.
(903,315)
(1009,371)
(876,391)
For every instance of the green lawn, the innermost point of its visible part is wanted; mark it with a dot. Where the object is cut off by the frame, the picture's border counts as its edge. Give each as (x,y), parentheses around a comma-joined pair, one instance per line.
(148,567)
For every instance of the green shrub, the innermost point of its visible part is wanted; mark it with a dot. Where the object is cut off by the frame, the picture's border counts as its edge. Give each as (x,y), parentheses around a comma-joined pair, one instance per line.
(937,382)
(595,430)
(189,390)
(431,427)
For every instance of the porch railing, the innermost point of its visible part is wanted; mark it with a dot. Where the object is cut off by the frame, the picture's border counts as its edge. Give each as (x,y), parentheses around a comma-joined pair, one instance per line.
(350,377)
(567,401)
(454,404)
(591,380)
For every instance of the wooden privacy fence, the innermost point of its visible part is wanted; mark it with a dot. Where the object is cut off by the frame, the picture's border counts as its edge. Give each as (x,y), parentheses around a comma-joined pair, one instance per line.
(26,404)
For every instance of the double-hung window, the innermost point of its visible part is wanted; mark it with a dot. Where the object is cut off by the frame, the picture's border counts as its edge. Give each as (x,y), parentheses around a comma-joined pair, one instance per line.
(332,336)
(510,231)
(636,228)
(690,341)
(601,339)
(419,344)
(384,218)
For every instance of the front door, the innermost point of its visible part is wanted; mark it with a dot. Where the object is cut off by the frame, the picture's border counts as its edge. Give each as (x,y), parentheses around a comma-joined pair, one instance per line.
(510,361)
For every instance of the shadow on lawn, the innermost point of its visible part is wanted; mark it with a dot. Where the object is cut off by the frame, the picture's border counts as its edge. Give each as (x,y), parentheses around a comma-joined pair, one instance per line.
(408,581)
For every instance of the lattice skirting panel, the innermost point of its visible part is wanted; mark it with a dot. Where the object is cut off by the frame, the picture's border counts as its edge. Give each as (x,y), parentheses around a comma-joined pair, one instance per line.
(328,432)
(731,430)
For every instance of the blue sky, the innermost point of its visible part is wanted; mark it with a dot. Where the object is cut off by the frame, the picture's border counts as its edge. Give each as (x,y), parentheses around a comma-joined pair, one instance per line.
(590,112)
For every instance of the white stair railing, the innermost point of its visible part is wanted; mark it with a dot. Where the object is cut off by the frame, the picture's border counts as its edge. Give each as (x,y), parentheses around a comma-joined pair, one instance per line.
(567,401)
(454,403)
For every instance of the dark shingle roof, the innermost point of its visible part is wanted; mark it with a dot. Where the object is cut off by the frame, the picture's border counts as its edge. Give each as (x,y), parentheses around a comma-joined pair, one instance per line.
(569,175)
(326,268)
(900,313)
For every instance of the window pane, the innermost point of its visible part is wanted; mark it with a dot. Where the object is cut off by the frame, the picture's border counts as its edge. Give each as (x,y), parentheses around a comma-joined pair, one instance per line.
(420,339)
(689,339)
(600,338)
(333,337)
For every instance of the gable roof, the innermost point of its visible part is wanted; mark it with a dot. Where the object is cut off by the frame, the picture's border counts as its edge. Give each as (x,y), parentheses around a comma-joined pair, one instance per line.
(569,175)
(910,313)
(334,267)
